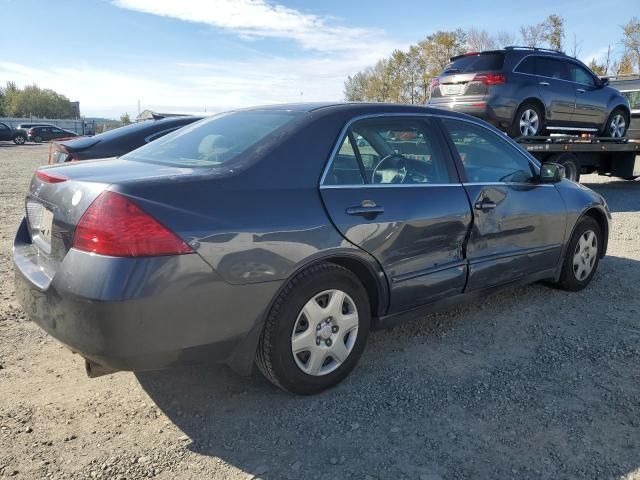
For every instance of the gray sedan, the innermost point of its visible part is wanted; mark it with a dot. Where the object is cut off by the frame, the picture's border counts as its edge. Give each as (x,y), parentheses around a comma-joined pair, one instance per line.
(282,235)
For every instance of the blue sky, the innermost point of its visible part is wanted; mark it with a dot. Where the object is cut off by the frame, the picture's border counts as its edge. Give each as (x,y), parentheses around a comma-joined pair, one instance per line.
(192,55)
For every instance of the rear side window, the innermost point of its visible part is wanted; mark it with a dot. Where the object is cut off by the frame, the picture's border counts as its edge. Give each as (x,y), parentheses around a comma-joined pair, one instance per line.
(214,141)
(389,151)
(487,157)
(528,65)
(552,68)
(476,63)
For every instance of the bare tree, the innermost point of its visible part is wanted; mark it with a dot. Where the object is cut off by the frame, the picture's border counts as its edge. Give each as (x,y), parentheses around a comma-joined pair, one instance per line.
(533,35)
(480,40)
(577,46)
(631,41)
(554,31)
(505,39)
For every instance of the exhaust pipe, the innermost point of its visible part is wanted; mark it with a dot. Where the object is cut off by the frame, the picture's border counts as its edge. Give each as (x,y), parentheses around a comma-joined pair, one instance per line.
(95,370)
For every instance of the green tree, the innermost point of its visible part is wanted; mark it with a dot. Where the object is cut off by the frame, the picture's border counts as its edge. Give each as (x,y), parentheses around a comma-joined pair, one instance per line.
(125,119)
(34,101)
(554,31)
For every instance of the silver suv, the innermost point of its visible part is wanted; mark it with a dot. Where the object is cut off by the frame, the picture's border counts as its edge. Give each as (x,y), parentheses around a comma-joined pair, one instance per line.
(531,91)
(629,86)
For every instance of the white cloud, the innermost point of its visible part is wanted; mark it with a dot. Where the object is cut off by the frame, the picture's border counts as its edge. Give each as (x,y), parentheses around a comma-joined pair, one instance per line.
(598,55)
(259,18)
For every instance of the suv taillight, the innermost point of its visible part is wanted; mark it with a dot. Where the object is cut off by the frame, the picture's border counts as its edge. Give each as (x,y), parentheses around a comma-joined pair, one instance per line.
(114,225)
(490,78)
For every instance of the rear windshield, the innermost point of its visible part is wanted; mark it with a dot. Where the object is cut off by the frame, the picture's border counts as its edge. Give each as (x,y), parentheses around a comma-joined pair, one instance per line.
(214,141)
(476,63)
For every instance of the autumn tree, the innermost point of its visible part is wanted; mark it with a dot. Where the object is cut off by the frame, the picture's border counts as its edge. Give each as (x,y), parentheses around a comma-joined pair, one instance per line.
(554,31)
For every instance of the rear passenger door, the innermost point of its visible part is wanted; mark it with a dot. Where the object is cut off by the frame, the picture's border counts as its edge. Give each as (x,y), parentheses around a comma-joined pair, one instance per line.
(556,90)
(392,190)
(519,225)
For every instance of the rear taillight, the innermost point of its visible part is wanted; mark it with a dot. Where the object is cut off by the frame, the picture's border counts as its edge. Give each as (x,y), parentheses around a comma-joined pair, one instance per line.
(114,225)
(50,177)
(490,78)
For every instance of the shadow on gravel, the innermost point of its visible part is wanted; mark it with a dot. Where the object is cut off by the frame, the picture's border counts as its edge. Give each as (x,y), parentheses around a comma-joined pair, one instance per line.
(529,383)
(13,145)
(621,195)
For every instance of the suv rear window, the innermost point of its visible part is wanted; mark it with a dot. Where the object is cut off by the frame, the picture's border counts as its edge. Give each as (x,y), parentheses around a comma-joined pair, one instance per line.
(214,141)
(476,63)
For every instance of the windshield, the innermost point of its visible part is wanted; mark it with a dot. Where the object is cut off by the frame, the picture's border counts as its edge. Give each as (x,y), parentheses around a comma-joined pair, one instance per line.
(214,141)
(476,63)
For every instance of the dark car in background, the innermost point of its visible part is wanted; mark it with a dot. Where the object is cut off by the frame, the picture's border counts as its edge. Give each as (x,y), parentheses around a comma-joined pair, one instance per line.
(530,91)
(283,234)
(47,133)
(118,141)
(629,86)
(22,130)
(17,135)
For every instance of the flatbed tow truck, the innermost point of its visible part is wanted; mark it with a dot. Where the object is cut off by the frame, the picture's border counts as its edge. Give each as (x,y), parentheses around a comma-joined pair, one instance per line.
(616,157)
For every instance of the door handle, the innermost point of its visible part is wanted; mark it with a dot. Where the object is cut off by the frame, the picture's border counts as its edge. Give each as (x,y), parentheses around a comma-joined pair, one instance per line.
(485,205)
(367,208)
(544,84)
(580,90)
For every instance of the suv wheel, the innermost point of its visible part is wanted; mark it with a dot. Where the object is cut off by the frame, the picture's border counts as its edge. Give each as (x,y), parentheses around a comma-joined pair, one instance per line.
(617,123)
(316,330)
(528,121)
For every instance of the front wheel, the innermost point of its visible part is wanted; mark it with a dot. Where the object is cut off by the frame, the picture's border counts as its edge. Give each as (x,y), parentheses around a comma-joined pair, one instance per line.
(581,256)
(617,124)
(316,330)
(19,140)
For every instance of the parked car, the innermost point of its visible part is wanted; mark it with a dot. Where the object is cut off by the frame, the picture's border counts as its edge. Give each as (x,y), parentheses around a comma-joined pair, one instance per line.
(271,234)
(45,134)
(629,86)
(9,134)
(118,141)
(530,91)
(20,132)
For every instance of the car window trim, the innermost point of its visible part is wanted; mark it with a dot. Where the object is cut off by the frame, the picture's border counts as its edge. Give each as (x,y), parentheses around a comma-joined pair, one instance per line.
(455,180)
(513,70)
(356,153)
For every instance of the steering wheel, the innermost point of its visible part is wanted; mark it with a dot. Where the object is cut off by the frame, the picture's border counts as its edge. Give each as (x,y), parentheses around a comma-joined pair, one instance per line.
(399,165)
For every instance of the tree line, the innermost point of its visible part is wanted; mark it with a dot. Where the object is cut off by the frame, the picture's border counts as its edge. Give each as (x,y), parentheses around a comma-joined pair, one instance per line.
(405,76)
(34,101)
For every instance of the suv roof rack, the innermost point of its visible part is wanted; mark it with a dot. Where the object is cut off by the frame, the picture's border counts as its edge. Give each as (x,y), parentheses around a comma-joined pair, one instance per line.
(537,49)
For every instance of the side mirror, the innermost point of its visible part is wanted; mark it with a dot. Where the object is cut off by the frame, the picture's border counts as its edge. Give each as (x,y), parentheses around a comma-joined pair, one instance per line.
(603,82)
(551,173)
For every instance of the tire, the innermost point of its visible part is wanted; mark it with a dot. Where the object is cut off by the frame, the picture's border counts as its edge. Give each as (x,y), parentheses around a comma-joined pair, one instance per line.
(570,280)
(533,124)
(305,372)
(571,165)
(19,140)
(37,139)
(618,115)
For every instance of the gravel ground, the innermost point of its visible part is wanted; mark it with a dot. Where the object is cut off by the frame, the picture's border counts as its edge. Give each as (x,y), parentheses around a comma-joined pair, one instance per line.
(531,383)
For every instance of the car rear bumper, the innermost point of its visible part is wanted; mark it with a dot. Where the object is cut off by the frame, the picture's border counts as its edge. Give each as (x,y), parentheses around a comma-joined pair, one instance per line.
(140,313)
(481,107)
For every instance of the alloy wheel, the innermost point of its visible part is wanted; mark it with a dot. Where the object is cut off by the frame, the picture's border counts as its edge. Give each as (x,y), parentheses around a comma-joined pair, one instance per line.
(325,332)
(19,140)
(585,254)
(529,123)
(617,126)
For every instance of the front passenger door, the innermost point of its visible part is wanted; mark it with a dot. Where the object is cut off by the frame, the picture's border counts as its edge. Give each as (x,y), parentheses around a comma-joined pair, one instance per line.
(518,225)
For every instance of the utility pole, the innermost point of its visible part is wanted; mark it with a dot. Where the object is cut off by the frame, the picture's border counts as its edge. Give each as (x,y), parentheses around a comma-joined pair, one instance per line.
(138,107)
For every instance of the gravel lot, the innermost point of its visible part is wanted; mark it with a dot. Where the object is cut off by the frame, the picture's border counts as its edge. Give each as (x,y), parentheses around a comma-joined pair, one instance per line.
(532,383)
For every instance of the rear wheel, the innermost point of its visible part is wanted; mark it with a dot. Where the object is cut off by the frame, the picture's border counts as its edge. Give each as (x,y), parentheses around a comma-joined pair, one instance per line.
(617,124)
(316,330)
(528,122)
(37,139)
(582,256)
(19,139)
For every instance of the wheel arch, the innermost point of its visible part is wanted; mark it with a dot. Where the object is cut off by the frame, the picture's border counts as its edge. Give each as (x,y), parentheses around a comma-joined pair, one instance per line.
(600,217)
(534,100)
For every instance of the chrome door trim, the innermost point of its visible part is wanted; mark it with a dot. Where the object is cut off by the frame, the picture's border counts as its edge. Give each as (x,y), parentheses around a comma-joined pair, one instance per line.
(334,151)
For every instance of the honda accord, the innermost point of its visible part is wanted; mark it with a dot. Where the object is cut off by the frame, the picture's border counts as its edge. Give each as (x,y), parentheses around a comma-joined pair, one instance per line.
(282,235)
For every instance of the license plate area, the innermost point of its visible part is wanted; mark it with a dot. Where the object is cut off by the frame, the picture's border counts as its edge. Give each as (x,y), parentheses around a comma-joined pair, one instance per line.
(452,89)
(40,221)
